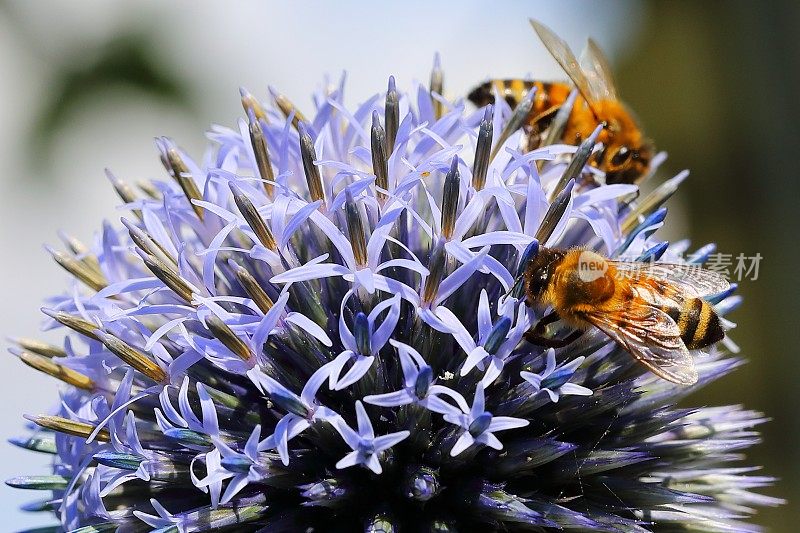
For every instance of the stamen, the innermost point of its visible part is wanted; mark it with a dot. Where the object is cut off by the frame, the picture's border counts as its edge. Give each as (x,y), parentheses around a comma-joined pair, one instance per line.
(150,190)
(530,253)
(518,118)
(53,482)
(714,299)
(554,213)
(702,254)
(436,267)
(480,424)
(654,218)
(309,154)
(91,278)
(391,116)
(559,122)
(379,161)
(287,108)
(437,86)
(251,105)
(252,287)
(146,243)
(75,323)
(653,201)
(483,149)
(81,251)
(58,371)
(557,378)
(40,348)
(498,335)
(38,442)
(654,253)
(70,427)
(355,229)
(261,153)
(180,172)
(236,463)
(124,191)
(450,196)
(130,355)
(291,403)
(123,461)
(168,276)
(423,382)
(189,437)
(226,336)
(578,161)
(362,334)
(253,218)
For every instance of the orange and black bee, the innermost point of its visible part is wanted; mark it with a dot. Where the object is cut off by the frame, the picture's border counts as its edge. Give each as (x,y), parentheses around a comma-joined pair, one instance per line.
(627,153)
(655,311)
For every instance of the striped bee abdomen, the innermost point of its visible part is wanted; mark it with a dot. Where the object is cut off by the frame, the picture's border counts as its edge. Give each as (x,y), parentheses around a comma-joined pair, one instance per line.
(513,90)
(698,323)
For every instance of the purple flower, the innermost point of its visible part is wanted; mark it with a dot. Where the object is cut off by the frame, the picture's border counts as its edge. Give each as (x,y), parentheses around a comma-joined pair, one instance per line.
(303,409)
(420,387)
(367,448)
(479,425)
(223,346)
(554,380)
(364,343)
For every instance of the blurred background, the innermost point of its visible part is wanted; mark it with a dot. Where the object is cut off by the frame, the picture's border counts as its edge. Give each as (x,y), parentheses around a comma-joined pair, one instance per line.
(88,85)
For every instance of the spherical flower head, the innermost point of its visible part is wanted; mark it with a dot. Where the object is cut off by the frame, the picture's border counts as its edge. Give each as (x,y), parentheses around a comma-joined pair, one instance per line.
(319,325)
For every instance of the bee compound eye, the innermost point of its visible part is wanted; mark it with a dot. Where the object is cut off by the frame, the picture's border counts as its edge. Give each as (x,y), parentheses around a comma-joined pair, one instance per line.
(621,156)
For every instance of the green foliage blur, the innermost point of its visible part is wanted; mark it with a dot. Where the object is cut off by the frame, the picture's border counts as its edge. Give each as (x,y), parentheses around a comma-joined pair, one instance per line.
(716,84)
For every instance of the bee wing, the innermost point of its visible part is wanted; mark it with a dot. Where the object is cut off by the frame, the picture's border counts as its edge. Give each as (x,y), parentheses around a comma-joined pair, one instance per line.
(562,53)
(691,279)
(651,337)
(597,69)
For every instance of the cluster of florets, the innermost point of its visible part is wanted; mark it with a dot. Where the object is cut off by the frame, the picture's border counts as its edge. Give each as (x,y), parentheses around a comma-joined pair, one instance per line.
(315,327)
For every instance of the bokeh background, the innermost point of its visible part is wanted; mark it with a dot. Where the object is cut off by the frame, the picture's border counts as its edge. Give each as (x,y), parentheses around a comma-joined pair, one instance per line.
(88,84)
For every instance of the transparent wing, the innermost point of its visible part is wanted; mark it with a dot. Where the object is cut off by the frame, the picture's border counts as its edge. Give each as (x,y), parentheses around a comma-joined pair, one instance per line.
(693,280)
(597,69)
(562,53)
(651,337)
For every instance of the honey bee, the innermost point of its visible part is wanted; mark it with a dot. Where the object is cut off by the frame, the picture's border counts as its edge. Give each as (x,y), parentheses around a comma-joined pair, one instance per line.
(627,153)
(655,311)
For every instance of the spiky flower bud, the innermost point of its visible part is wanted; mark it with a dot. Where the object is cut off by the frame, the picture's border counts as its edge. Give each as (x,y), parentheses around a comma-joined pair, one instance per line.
(338,344)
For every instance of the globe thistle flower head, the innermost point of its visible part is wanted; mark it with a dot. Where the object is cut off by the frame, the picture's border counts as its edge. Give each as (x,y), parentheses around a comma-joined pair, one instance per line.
(319,326)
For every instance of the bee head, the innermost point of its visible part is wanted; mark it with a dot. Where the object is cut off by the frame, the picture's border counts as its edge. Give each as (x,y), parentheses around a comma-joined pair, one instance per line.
(627,154)
(627,163)
(538,271)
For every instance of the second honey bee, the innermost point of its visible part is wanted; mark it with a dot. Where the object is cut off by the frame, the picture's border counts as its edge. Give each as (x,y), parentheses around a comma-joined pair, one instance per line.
(654,311)
(627,153)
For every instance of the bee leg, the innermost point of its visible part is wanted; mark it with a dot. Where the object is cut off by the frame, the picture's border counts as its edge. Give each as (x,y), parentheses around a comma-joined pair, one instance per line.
(536,335)
(550,342)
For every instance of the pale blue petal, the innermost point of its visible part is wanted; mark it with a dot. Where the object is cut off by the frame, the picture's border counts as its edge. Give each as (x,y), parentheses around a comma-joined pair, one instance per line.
(360,367)
(391,399)
(484,317)
(310,327)
(503,423)
(384,442)
(489,440)
(463,442)
(383,332)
